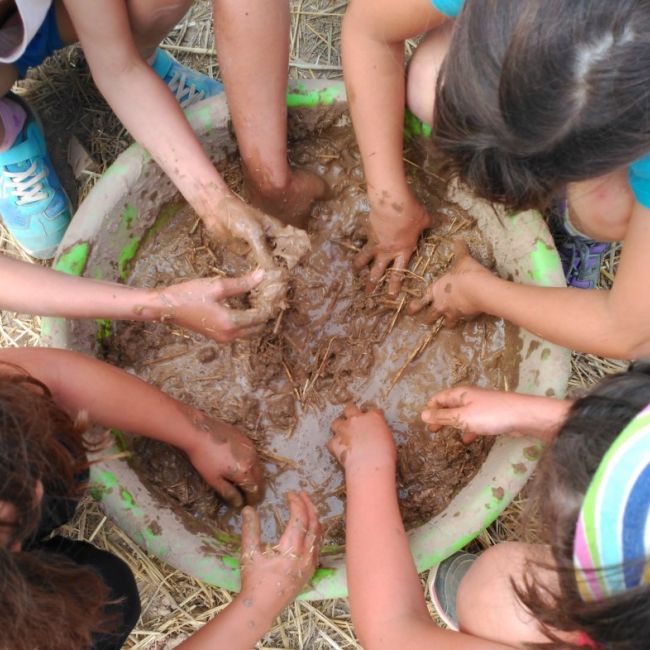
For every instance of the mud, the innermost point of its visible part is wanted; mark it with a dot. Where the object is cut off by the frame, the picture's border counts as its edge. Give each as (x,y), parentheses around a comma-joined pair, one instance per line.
(332,344)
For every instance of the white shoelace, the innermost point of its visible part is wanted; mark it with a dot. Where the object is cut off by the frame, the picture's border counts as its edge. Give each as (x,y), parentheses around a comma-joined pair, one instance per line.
(27,185)
(185,93)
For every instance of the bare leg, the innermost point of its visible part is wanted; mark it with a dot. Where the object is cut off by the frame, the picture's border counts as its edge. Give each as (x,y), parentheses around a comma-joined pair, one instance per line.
(423,71)
(256,84)
(601,207)
(487,605)
(8,76)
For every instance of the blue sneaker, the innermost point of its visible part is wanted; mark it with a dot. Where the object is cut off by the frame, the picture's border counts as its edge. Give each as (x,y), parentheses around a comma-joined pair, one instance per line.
(581,257)
(187,85)
(33,205)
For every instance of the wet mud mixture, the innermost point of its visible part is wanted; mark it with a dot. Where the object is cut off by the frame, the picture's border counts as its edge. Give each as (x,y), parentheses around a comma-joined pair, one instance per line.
(333,344)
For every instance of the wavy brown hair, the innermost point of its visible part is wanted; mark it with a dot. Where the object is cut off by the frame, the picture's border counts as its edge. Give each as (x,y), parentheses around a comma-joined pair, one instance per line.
(621,622)
(535,94)
(46,601)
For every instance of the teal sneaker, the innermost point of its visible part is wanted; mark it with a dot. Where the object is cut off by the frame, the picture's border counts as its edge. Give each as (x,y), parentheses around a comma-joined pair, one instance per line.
(187,85)
(33,205)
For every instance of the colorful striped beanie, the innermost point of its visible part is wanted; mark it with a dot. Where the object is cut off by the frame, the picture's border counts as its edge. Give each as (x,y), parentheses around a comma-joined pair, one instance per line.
(611,549)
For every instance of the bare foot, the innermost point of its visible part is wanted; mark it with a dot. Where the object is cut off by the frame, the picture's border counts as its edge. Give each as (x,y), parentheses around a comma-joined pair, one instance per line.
(292,203)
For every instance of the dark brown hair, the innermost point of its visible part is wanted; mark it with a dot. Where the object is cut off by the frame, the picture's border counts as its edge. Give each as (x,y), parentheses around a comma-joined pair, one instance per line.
(45,600)
(594,422)
(536,94)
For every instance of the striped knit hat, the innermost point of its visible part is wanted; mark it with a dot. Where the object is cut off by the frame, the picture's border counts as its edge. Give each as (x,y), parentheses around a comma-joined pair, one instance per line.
(611,549)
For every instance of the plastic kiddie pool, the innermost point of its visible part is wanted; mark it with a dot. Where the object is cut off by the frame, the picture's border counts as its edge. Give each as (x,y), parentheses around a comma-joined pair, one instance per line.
(103,238)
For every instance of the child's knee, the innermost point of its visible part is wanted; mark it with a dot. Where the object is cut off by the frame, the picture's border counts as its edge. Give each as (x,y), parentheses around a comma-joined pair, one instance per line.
(423,72)
(487,604)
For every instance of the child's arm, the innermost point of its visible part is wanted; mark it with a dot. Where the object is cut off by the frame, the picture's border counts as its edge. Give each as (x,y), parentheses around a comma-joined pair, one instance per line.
(148,110)
(256,85)
(481,412)
(271,579)
(113,398)
(196,304)
(373,38)
(611,323)
(386,600)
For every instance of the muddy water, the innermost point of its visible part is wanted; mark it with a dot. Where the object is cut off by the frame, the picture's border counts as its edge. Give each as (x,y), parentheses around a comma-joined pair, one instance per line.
(332,345)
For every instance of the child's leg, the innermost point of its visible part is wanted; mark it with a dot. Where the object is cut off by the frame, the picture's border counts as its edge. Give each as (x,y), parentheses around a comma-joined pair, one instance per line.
(486,604)
(423,72)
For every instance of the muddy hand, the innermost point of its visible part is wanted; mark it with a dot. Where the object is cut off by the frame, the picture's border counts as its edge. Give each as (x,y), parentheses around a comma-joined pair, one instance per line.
(256,228)
(290,204)
(279,573)
(197,305)
(473,411)
(362,438)
(449,295)
(393,237)
(227,460)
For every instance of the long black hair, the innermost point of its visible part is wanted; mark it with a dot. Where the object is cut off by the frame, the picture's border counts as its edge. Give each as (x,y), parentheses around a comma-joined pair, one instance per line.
(535,94)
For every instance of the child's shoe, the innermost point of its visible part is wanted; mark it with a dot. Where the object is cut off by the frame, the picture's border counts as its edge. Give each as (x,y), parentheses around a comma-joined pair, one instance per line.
(187,85)
(33,204)
(581,257)
(444,582)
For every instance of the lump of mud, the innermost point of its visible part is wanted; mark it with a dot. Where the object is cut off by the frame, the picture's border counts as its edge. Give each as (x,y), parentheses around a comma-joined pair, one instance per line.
(333,344)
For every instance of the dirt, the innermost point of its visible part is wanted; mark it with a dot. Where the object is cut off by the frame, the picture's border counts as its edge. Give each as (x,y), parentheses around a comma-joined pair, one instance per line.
(334,343)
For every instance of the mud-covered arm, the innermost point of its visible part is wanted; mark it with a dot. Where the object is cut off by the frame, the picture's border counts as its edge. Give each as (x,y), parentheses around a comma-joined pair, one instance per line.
(255,78)
(116,399)
(611,323)
(373,38)
(195,304)
(386,599)
(145,105)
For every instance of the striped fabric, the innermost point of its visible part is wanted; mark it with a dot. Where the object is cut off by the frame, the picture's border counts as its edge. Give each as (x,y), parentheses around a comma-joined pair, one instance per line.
(612,540)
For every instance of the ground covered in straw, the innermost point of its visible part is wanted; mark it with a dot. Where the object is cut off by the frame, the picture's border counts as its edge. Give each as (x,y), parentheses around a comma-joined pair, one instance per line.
(175,605)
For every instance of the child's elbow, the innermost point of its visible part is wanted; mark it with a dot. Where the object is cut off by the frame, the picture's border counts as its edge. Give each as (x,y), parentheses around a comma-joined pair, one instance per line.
(631,343)
(638,349)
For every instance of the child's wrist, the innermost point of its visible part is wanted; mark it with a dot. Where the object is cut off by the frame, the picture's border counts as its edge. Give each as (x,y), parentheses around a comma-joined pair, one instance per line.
(367,468)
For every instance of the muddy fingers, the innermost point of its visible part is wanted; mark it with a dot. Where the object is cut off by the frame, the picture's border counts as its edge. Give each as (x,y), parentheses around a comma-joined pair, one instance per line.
(293,538)
(228,492)
(250,532)
(397,275)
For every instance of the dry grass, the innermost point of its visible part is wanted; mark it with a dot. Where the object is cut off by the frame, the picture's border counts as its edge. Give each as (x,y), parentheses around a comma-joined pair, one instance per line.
(174,605)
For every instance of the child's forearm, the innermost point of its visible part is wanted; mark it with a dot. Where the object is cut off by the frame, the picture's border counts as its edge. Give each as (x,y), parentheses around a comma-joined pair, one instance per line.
(238,627)
(385,591)
(578,319)
(111,397)
(262,132)
(144,104)
(150,113)
(374,77)
(33,289)
(373,60)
